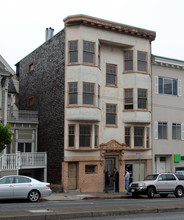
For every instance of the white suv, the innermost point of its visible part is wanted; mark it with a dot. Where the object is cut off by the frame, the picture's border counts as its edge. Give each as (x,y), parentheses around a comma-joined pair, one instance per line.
(163,184)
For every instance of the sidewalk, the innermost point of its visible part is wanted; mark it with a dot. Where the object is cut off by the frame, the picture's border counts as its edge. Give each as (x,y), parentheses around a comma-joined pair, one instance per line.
(78,196)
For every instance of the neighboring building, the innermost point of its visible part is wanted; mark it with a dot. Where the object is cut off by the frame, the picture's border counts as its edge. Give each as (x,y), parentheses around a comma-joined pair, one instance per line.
(21,156)
(167,114)
(91,84)
(5,72)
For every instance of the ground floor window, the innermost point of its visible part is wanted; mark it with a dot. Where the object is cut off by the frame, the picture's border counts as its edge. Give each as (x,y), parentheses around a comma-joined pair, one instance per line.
(90,168)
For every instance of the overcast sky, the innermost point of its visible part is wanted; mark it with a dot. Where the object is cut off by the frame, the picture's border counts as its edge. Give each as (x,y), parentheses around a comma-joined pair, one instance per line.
(23,22)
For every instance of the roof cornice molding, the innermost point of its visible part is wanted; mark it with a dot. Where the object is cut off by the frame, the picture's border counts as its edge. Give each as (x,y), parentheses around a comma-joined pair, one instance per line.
(109,25)
(167,62)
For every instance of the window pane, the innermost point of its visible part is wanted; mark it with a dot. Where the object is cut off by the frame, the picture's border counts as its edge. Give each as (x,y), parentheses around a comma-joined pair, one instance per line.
(142,98)
(110,119)
(162,130)
(161,85)
(21,147)
(175,87)
(138,137)
(27,147)
(73,52)
(72,93)
(127,137)
(142,61)
(176,131)
(88,93)
(88,99)
(84,136)
(128,60)
(71,135)
(167,86)
(88,52)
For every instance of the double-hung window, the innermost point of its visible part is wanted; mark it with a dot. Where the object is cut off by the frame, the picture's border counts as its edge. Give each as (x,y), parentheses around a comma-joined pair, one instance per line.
(176,131)
(142,61)
(162,130)
(89,52)
(127,136)
(128,99)
(138,136)
(84,135)
(88,93)
(71,135)
(73,51)
(128,61)
(72,91)
(111,75)
(142,99)
(111,115)
(168,86)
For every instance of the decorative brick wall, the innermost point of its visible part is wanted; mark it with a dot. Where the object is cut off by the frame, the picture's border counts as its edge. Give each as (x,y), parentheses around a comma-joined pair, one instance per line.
(46,85)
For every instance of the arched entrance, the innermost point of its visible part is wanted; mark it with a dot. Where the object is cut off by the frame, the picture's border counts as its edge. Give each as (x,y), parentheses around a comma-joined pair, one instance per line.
(112,154)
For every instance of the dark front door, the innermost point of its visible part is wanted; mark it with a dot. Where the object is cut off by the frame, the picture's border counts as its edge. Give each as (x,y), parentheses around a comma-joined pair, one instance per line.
(109,166)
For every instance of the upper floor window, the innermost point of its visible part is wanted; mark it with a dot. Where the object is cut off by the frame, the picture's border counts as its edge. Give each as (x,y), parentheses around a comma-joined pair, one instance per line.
(24,147)
(162,130)
(128,99)
(147,137)
(96,135)
(142,99)
(128,61)
(85,136)
(127,136)
(111,114)
(176,131)
(71,135)
(138,136)
(142,61)
(72,92)
(88,93)
(168,86)
(89,52)
(111,75)
(31,67)
(73,51)
(30,101)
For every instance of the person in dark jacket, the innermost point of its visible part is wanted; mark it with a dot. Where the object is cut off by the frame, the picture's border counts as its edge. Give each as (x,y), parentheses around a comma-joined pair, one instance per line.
(107,181)
(116,179)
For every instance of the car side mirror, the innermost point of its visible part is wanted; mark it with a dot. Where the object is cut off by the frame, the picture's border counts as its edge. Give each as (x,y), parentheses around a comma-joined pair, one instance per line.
(160,179)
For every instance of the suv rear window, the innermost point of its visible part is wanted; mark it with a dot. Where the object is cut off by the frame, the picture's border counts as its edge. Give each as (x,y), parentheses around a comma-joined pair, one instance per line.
(180,176)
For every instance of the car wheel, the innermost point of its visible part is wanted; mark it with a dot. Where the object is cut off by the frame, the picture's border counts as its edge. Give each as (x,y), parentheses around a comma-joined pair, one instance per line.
(151,192)
(179,191)
(163,195)
(34,196)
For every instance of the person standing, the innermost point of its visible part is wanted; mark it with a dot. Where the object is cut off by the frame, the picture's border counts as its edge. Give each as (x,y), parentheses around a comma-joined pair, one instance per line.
(107,181)
(116,179)
(127,177)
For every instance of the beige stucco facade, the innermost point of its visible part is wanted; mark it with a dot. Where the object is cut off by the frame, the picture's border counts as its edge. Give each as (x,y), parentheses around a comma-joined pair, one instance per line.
(110,43)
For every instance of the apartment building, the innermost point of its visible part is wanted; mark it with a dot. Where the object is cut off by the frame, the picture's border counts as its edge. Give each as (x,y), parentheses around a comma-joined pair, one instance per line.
(91,84)
(167,114)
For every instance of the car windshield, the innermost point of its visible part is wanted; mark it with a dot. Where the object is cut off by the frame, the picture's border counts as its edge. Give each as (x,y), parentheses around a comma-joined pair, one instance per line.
(151,177)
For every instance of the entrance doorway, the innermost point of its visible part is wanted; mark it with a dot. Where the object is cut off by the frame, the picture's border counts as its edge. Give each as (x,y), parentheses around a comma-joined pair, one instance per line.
(136,170)
(72,175)
(110,163)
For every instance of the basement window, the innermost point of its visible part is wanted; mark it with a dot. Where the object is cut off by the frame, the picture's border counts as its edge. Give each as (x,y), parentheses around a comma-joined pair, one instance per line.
(89,169)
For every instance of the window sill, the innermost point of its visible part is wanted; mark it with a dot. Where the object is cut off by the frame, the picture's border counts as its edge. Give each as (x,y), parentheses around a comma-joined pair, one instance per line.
(83,149)
(111,126)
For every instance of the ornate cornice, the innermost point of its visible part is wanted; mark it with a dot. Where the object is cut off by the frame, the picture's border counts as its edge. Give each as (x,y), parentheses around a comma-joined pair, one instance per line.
(110,26)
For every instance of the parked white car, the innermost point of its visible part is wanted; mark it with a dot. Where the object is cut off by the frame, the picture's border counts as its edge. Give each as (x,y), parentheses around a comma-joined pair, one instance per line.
(162,184)
(23,187)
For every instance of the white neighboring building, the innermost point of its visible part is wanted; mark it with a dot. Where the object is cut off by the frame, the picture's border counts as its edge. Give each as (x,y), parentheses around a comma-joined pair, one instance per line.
(167,114)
